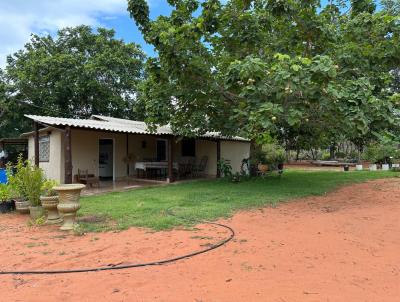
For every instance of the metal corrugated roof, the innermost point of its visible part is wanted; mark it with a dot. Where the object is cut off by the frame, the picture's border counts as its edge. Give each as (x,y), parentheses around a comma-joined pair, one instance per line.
(98,122)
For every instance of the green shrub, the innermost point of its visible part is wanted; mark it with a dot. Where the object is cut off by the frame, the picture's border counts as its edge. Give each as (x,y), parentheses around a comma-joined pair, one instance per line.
(340,154)
(5,193)
(382,151)
(26,181)
(34,184)
(353,155)
(16,178)
(258,157)
(224,167)
(326,156)
(274,155)
(48,188)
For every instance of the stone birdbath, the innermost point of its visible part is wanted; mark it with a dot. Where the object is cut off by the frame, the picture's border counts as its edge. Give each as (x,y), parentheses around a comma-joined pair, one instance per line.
(68,205)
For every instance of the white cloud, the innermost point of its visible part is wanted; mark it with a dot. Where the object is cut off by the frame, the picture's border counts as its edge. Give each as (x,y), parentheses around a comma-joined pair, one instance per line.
(20,18)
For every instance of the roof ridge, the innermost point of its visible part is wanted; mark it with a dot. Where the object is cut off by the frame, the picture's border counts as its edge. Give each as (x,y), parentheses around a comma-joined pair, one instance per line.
(110,118)
(119,125)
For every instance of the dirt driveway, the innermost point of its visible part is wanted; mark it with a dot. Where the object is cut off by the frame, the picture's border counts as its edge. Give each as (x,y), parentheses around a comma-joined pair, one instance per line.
(344,246)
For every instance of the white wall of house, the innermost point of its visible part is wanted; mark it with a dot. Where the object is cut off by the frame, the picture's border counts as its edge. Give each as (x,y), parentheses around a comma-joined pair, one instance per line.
(54,169)
(85,152)
(235,151)
(209,149)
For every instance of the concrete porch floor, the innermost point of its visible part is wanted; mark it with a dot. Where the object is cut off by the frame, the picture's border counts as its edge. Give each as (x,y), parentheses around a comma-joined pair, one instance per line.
(119,186)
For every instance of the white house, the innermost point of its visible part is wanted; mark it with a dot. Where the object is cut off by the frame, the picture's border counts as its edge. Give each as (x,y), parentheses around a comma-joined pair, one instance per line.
(113,148)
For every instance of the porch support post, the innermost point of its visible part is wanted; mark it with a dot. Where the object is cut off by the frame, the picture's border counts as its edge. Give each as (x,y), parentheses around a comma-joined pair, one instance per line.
(127,154)
(170,177)
(67,155)
(36,138)
(218,157)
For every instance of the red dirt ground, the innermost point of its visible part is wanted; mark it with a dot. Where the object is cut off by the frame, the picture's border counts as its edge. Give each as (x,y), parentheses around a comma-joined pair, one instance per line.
(340,247)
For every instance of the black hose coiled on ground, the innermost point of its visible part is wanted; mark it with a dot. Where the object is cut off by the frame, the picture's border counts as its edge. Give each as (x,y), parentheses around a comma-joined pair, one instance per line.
(126,266)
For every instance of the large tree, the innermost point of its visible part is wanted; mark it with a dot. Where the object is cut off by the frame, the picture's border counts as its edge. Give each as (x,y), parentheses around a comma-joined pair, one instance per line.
(260,66)
(77,73)
(391,6)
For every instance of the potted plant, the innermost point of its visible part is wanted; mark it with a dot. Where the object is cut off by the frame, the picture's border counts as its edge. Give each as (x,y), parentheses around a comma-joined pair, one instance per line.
(383,151)
(49,200)
(262,164)
(395,163)
(385,167)
(34,180)
(280,159)
(6,204)
(16,180)
(258,162)
(359,165)
(236,177)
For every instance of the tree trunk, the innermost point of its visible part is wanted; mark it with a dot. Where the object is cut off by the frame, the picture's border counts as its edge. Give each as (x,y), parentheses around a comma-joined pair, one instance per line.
(254,149)
(313,154)
(332,149)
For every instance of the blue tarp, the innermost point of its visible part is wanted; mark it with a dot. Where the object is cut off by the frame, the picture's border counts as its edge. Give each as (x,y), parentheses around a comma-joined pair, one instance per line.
(3,176)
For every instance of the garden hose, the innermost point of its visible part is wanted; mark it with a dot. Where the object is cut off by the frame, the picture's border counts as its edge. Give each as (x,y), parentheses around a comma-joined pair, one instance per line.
(127,266)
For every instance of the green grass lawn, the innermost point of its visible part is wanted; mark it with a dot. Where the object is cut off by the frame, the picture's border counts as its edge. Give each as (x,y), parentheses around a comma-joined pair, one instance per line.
(208,199)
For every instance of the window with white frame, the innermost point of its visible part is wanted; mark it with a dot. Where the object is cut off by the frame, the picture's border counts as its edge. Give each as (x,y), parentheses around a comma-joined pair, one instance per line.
(44,148)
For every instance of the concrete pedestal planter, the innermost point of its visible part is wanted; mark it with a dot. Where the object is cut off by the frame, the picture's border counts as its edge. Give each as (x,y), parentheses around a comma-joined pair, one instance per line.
(69,203)
(50,203)
(385,167)
(372,167)
(359,167)
(36,212)
(22,206)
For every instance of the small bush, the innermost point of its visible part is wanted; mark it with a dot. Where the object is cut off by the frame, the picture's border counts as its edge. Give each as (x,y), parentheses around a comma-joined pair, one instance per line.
(27,181)
(274,155)
(340,154)
(34,183)
(224,167)
(5,193)
(326,156)
(48,188)
(383,151)
(16,178)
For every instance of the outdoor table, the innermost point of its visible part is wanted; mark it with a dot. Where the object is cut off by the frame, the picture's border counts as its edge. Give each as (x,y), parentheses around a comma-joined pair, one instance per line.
(153,165)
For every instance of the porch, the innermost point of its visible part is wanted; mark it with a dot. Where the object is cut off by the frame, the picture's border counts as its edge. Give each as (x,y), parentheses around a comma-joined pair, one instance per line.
(131,183)
(70,155)
(118,186)
(110,149)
